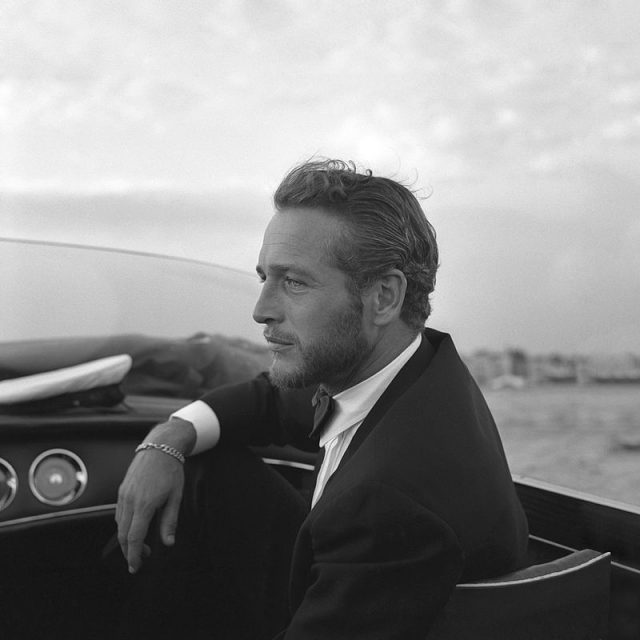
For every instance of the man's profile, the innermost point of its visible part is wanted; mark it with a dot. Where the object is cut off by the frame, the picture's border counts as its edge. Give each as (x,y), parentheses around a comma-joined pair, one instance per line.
(413,492)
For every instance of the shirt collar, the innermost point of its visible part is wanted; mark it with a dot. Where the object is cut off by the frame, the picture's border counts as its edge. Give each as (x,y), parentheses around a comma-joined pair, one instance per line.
(353,404)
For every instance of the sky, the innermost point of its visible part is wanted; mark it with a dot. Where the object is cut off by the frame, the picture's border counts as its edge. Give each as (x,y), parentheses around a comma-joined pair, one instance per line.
(165,125)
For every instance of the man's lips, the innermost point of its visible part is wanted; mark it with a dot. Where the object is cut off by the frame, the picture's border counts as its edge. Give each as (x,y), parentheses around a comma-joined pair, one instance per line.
(276,342)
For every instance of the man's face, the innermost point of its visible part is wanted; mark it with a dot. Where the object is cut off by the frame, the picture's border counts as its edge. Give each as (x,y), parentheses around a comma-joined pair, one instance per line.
(313,322)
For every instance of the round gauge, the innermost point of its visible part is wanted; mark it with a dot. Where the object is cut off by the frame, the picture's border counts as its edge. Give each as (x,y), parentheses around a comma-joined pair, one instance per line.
(57,477)
(8,484)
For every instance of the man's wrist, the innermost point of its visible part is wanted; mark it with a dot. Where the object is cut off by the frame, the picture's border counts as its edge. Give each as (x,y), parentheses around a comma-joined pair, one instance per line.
(176,433)
(165,448)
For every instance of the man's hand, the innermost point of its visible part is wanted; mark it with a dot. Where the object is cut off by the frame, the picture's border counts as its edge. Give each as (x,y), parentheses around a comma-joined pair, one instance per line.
(154,483)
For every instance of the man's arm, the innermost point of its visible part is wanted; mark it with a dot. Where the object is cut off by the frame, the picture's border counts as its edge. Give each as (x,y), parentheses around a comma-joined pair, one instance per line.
(257,413)
(252,412)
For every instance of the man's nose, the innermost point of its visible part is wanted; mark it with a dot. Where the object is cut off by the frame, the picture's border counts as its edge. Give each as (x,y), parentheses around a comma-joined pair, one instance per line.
(266,309)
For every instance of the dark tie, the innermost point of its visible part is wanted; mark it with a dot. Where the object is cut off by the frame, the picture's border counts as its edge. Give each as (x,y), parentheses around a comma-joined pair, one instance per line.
(324,406)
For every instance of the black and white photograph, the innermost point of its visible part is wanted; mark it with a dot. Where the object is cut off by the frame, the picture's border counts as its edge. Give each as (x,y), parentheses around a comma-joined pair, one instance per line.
(319,320)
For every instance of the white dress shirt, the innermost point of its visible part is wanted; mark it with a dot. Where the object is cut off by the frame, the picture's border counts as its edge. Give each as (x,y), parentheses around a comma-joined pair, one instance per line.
(351,407)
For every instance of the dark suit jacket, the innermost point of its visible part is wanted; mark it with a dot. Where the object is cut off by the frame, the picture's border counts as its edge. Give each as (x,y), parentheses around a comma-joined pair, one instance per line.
(423,499)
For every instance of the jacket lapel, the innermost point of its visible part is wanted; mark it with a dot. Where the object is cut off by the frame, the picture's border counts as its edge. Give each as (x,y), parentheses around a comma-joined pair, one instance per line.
(405,378)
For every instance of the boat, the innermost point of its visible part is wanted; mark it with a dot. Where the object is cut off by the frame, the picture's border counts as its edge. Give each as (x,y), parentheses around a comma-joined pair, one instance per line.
(61,465)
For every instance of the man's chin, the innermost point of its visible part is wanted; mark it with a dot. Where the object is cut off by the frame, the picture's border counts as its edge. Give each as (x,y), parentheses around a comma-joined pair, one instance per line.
(285,378)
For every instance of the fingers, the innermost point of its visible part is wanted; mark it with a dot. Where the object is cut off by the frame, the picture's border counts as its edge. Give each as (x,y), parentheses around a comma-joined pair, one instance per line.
(133,523)
(135,541)
(123,518)
(169,518)
(128,536)
(153,484)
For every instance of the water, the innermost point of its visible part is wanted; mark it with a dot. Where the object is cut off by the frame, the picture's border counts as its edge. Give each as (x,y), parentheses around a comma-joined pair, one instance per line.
(582,437)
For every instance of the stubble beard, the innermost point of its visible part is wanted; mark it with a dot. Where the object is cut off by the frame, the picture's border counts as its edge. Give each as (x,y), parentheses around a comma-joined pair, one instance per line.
(329,360)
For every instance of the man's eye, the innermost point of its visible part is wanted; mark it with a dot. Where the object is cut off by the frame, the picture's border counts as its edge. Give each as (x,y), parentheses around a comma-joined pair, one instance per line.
(293,284)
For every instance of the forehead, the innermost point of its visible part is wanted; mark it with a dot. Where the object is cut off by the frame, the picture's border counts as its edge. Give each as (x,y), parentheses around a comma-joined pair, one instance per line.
(300,237)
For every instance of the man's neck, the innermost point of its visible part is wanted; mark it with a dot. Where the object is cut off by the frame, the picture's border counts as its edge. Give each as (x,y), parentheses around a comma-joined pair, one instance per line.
(386,350)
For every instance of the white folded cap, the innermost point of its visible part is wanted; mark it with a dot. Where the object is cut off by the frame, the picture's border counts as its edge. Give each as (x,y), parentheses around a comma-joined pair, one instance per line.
(80,377)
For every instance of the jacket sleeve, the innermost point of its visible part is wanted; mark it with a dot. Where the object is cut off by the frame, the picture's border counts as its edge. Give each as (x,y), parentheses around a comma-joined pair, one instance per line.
(382,567)
(257,413)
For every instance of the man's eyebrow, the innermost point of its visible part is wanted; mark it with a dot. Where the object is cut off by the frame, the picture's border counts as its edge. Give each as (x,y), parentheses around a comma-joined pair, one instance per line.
(279,269)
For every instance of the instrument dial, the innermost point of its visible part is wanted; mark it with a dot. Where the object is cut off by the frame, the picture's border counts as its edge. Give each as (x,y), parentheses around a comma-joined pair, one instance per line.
(8,484)
(57,477)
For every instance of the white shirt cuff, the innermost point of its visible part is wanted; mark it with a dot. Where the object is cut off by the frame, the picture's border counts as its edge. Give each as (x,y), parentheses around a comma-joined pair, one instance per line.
(204,421)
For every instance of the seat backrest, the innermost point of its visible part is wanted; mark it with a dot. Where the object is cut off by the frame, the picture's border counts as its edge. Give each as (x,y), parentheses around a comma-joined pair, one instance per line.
(560,600)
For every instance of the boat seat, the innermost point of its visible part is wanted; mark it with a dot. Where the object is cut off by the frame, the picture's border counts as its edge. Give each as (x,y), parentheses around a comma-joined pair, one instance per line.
(565,599)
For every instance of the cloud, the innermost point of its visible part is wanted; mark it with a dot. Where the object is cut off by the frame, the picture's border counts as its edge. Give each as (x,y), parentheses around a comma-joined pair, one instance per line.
(499,87)
(521,117)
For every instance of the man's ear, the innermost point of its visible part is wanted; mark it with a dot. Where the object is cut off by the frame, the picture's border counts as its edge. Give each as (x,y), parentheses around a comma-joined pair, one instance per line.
(388,297)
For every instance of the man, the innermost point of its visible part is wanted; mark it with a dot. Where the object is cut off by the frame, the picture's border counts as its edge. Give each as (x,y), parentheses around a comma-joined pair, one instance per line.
(413,493)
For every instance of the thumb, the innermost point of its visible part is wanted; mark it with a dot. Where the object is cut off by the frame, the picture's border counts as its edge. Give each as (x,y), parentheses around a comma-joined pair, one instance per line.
(169,519)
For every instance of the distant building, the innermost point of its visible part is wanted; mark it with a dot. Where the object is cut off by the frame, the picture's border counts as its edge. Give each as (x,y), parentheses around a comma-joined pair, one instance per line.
(514,368)
(486,365)
(613,368)
(518,363)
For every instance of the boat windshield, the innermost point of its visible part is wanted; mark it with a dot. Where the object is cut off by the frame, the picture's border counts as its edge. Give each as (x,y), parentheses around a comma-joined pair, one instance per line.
(183,322)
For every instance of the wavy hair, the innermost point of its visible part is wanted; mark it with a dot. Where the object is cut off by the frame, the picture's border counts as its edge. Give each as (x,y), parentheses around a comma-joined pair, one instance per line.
(385,228)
